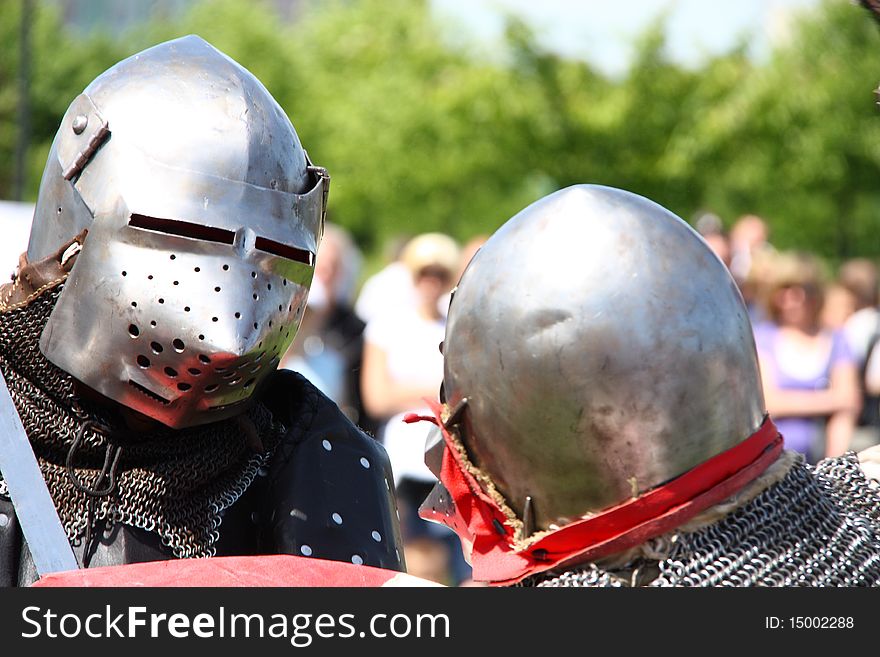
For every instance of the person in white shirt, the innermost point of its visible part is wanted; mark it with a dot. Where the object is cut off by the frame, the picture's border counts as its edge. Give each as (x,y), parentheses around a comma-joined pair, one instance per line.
(389,289)
(402,366)
(862,331)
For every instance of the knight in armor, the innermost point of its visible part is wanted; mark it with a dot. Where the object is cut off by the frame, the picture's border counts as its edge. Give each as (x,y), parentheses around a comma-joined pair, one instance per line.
(172,249)
(602,421)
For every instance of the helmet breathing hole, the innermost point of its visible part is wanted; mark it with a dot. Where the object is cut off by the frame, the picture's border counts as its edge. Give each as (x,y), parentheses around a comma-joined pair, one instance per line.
(133,330)
(186,309)
(211,388)
(170,371)
(217,289)
(194,371)
(215,319)
(125,273)
(201,336)
(225,267)
(178,344)
(161,300)
(143,361)
(204,359)
(173,257)
(237,315)
(183,387)
(156,347)
(134,304)
(153,323)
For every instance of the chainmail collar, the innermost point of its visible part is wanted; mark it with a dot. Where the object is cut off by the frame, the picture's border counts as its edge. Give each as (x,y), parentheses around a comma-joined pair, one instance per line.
(817,526)
(175,483)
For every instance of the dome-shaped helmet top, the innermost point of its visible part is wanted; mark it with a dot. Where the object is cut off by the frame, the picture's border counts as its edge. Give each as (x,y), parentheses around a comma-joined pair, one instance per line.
(203,215)
(603,350)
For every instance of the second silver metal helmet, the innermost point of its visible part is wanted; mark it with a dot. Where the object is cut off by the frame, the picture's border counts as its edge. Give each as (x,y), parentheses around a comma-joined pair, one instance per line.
(204,215)
(603,350)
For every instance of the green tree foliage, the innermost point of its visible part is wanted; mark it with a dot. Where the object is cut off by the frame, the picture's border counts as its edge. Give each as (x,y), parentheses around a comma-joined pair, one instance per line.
(421,130)
(61,66)
(798,140)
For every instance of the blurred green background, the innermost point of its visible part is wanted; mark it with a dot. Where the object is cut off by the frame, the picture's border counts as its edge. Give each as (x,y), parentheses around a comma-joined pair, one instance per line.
(423,130)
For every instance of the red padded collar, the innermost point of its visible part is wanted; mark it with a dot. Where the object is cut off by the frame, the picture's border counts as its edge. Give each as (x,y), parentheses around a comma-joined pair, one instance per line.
(496,559)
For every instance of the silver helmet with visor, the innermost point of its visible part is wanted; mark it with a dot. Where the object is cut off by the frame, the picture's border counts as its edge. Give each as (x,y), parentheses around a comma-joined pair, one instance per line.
(204,215)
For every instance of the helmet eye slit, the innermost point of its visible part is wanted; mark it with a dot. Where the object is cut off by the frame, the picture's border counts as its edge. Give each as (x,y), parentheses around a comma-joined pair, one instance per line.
(182,229)
(285,251)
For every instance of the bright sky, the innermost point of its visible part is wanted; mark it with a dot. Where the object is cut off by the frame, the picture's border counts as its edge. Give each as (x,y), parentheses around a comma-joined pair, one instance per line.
(602,31)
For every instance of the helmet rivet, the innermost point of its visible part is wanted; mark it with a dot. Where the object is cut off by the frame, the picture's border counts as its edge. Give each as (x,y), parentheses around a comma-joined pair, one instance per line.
(80,123)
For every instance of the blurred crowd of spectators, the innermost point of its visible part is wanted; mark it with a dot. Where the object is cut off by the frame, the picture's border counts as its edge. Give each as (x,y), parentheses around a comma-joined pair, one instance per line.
(376,353)
(815,335)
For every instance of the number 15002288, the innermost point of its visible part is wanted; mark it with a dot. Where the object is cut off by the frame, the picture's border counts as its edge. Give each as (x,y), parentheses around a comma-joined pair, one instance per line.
(809,622)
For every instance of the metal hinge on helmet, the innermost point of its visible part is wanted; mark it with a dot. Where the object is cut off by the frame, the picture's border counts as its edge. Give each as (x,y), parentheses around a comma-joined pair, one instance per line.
(90,130)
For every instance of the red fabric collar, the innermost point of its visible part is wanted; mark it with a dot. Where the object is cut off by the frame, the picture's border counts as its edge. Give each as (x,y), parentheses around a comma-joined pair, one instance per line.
(495,560)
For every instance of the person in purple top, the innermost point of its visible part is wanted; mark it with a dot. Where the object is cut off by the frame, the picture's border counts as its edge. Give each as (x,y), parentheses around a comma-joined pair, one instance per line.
(809,374)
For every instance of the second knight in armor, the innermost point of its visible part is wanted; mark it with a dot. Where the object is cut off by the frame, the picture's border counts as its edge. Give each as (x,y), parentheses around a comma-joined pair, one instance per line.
(604,423)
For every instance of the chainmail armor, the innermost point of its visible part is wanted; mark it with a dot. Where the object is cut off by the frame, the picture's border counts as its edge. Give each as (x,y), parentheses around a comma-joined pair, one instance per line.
(174,483)
(819,526)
